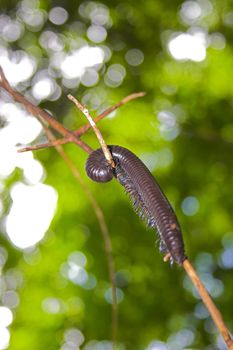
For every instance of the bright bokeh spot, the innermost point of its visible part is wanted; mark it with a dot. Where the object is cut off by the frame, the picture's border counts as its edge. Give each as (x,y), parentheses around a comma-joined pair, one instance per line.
(190,206)
(115,75)
(77,274)
(6,316)
(31,15)
(74,338)
(10,299)
(228,19)
(51,41)
(20,128)
(31,213)
(74,64)
(119,295)
(73,271)
(134,57)
(181,339)
(217,41)
(4,338)
(190,11)
(227,258)
(11,30)
(3,251)
(90,77)
(33,171)
(52,305)
(97,34)
(188,47)
(169,129)
(17,66)
(157,345)
(43,88)
(58,15)
(200,311)
(77,258)
(99,14)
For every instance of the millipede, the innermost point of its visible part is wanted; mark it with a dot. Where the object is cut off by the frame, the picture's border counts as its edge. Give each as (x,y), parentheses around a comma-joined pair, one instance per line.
(147,198)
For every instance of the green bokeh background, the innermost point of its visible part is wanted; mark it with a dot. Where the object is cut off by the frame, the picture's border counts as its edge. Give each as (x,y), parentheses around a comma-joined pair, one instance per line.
(158,299)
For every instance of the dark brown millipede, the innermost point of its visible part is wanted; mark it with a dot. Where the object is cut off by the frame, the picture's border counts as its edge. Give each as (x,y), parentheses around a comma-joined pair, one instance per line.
(148,199)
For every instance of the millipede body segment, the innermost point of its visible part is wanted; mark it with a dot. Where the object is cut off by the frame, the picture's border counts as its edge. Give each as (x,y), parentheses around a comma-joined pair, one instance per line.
(145,193)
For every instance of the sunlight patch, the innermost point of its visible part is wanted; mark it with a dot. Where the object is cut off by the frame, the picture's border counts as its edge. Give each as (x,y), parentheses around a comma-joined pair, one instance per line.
(188,47)
(17,66)
(20,128)
(31,213)
(74,65)
(6,316)
(4,338)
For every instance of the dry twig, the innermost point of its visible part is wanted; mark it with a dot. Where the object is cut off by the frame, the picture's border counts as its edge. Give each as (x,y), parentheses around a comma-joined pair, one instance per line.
(85,127)
(214,312)
(41,114)
(99,136)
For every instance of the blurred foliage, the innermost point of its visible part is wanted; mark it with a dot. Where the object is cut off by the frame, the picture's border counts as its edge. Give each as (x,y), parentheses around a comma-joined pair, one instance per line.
(191,158)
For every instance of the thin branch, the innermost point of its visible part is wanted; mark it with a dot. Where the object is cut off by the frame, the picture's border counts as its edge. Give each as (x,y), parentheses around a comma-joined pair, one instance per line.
(109,110)
(53,143)
(214,312)
(41,114)
(99,136)
(79,132)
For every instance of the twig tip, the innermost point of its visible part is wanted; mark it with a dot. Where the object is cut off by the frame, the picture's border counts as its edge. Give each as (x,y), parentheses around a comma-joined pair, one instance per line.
(166,257)
(2,75)
(142,93)
(22,150)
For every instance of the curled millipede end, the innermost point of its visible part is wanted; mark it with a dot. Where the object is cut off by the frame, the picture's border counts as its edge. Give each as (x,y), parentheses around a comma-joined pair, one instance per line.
(97,167)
